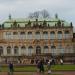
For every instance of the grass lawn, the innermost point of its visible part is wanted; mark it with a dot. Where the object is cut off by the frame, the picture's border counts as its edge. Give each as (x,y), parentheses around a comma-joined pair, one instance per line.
(34,69)
(64,67)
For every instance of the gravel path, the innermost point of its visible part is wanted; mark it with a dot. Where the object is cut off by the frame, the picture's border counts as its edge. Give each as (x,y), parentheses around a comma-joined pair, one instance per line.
(34,73)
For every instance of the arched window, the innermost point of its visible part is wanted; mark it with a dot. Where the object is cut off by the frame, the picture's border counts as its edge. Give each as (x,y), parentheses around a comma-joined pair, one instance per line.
(45,32)
(37,35)
(23,50)
(68,48)
(15,35)
(29,35)
(46,49)
(30,50)
(59,35)
(30,47)
(60,48)
(1,50)
(7,35)
(8,50)
(38,50)
(66,34)
(53,49)
(23,47)
(16,50)
(22,35)
(52,35)
(45,35)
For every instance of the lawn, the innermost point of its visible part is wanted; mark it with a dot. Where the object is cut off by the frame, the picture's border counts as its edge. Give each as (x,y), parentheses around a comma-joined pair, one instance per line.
(34,69)
(64,67)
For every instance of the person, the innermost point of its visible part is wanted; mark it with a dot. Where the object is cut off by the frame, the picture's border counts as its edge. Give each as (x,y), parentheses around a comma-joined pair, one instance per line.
(49,66)
(11,69)
(41,66)
(61,61)
(38,66)
(53,61)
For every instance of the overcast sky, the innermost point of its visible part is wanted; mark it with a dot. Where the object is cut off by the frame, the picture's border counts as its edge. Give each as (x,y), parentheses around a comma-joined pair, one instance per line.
(21,8)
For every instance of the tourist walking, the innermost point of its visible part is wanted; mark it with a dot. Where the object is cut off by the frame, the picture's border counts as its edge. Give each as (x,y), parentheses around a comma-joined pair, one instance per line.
(41,66)
(11,68)
(38,66)
(61,61)
(49,66)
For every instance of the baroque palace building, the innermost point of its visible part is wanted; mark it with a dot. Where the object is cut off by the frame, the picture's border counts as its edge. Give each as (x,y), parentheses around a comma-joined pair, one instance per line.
(22,38)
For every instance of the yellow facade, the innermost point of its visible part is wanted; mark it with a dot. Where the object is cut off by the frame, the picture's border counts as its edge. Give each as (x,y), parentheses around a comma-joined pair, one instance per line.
(21,38)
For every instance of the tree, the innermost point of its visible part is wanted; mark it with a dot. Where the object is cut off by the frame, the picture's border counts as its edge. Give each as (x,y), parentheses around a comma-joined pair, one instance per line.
(38,14)
(34,15)
(45,14)
(31,15)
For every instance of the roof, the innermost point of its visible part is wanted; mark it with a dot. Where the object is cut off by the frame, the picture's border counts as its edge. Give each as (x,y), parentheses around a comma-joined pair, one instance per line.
(23,21)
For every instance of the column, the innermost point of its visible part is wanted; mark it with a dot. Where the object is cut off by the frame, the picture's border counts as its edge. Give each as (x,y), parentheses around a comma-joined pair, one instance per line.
(42,50)
(19,51)
(41,35)
(33,33)
(26,50)
(26,34)
(34,49)
(48,48)
(4,51)
(12,50)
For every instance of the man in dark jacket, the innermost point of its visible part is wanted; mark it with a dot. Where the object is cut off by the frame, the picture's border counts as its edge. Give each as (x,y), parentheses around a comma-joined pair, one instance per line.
(11,69)
(41,66)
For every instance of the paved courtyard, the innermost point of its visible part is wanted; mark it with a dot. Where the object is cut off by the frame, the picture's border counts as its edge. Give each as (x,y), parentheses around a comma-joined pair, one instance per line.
(35,73)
